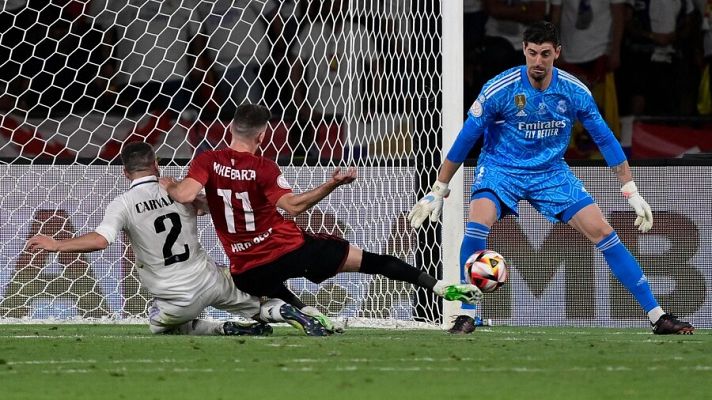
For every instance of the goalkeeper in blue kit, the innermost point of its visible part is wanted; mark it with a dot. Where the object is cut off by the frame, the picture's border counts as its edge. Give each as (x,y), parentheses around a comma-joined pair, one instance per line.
(526,114)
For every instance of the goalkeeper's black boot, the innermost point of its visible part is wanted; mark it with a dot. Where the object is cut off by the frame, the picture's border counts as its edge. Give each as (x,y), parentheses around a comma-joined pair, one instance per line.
(668,324)
(463,325)
(234,328)
(305,323)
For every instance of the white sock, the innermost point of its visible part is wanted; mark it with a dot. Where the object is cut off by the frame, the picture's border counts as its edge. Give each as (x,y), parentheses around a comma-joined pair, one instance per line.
(655,314)
(311,311)
(439,288)
(269,311)
(470,312)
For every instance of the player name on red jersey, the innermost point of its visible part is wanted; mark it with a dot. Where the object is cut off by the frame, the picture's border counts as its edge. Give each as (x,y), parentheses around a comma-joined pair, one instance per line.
(237,247)
(234,174)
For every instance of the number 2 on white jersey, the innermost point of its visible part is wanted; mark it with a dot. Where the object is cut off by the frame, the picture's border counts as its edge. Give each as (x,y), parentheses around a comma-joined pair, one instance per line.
(249,215)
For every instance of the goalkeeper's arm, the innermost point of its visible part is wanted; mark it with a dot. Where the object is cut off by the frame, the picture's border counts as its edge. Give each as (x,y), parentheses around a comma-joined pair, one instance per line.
(432,204)
(447,170)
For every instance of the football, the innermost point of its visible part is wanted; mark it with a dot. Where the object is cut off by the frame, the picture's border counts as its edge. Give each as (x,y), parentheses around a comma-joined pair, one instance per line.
(487,270)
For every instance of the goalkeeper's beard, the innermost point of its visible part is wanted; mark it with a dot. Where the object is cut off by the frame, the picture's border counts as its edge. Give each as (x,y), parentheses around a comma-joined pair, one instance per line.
(538,74)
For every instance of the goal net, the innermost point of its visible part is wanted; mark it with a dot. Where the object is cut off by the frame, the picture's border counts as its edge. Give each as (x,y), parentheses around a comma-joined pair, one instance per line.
(374,84)
(348,82)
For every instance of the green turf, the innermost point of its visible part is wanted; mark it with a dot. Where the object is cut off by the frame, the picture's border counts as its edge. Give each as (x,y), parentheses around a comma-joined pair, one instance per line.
(126,362)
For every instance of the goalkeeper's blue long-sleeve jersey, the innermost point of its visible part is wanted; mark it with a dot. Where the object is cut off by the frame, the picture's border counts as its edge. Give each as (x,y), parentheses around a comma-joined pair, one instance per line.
(529,129)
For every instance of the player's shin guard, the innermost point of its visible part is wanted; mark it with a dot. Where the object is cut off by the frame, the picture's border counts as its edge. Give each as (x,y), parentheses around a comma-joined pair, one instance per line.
(625,267)
(475,240)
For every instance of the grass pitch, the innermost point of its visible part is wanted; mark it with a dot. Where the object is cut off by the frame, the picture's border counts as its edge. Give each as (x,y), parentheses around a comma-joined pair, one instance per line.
(126,362)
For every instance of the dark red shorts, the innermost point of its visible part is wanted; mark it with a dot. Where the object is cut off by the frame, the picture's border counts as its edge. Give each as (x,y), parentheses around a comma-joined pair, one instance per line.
(318,259)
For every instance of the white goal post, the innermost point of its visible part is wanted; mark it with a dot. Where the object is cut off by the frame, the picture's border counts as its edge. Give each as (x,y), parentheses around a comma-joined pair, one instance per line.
(373,83)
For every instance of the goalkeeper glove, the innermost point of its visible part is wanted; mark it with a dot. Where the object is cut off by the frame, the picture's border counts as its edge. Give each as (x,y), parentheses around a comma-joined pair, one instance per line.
(431,204)
(645,217)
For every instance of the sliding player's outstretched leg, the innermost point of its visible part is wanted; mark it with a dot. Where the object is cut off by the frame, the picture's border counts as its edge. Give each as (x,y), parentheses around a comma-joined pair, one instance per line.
(464,292)
(278,311)
(311,326)
(331,326)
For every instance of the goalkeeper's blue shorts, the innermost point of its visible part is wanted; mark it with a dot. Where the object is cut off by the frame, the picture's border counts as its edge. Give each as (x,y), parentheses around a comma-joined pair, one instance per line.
(558,195)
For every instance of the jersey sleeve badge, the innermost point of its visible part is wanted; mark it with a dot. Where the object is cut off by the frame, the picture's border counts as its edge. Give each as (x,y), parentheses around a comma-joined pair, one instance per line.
(282,182)
(476,108)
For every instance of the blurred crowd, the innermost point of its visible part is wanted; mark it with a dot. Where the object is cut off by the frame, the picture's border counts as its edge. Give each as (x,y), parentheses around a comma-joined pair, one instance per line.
(656,50)
(199,59)
(639,57)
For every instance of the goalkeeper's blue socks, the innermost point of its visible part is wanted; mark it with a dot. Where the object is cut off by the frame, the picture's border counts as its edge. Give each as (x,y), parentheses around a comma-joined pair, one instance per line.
(475,240)
(625,267)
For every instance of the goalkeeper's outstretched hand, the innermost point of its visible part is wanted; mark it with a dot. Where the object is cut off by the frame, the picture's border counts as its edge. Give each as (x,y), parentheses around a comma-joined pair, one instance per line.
(430,205)
(645,216)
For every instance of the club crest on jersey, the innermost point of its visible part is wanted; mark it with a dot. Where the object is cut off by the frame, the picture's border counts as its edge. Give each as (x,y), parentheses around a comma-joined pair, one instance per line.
(542,109)
(476,108)
(520,101)
(282,182)
(561,106)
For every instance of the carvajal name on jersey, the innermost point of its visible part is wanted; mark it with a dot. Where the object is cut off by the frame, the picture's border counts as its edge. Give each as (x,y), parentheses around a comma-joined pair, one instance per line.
(234,174)
(153,204)
(238,247)
(541,129)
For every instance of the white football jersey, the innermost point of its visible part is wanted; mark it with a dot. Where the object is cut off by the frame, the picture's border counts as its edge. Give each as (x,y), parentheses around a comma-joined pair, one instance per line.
(164,236)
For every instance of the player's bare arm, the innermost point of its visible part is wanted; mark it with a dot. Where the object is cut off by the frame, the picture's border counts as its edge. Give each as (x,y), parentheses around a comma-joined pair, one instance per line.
(296,204)
(447,170)
(85,243)
(184,191)
(623,172)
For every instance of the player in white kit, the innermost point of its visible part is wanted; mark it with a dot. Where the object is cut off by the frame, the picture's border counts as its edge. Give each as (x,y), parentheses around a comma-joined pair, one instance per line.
(172,264)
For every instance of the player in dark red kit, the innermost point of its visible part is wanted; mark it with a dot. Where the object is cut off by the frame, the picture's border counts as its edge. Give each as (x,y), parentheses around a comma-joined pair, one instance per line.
(244,191)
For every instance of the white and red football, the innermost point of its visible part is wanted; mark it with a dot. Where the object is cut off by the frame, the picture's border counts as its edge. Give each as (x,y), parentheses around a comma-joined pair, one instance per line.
(487,270)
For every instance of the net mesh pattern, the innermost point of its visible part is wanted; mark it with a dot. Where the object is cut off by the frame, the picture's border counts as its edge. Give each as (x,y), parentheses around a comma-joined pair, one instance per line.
(348,83)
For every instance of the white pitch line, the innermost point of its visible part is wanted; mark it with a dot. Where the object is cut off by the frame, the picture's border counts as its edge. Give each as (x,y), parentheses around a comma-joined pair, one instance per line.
(90,361)
(74,337)
(135,371)
(306,361)
(352,368)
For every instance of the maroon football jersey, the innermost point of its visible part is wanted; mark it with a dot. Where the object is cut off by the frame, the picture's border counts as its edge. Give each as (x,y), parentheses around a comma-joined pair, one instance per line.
(242,191)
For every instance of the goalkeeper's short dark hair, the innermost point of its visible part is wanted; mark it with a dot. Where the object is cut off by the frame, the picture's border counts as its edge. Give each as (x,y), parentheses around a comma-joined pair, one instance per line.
(249,119)
(542,32)
(137,156)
